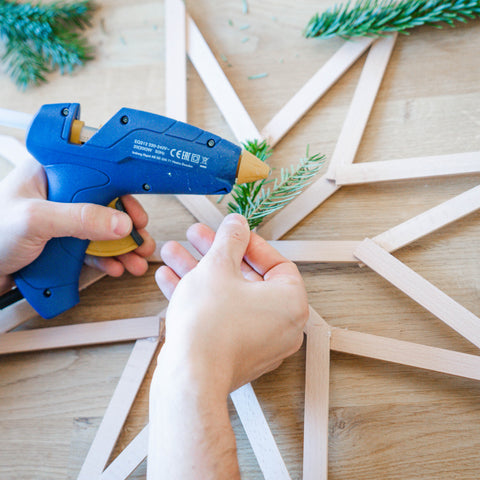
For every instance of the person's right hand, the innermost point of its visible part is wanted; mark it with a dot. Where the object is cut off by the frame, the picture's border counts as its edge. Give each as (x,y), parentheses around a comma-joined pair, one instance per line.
(28,221)
(234,315)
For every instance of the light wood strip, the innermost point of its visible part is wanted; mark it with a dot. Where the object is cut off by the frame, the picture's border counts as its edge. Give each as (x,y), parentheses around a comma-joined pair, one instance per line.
(323,251)
(78,335)
(406,353)
(129,459)
(420,290)
(218,85)
(362,104)
(314,89)
(118,408)
(408,168)
(317,379)
(346,148)
(429,221)
(259,434)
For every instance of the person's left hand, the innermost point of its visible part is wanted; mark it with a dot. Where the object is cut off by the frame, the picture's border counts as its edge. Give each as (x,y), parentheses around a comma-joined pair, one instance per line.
(28,221)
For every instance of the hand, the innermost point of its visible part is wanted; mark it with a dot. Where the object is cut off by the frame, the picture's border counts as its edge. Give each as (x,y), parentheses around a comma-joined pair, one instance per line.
(230,320)
(28,221)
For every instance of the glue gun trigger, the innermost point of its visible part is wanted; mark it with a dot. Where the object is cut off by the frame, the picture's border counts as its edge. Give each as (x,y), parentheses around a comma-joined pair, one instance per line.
(113,248)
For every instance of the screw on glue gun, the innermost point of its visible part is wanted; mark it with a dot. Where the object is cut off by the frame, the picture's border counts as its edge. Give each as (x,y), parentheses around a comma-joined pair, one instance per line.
(134,152)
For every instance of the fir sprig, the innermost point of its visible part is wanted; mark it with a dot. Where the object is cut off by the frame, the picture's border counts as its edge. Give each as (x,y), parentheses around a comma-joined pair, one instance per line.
(379,17)
(255,201)
(39,38)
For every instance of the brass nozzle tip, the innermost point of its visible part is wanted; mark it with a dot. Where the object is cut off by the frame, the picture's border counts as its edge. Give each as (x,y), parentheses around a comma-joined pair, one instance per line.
(250,168)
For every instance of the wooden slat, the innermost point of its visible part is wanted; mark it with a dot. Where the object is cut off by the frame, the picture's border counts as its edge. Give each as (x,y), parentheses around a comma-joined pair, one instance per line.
(362,104)
(317,379)
(406,353)
(420,290)
(295,250)
(118,408)
(259,434)
(354,125)
(408,168)
(314,89)
(78,335)
(129,459)
(429,221)
(218,85)
(176,95)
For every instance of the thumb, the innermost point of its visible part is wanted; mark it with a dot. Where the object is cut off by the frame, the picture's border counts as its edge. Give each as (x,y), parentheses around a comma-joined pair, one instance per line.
(231,241)
(81,220)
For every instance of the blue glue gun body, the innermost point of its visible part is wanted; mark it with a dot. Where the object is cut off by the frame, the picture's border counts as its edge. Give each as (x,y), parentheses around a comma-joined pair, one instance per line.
(134,152)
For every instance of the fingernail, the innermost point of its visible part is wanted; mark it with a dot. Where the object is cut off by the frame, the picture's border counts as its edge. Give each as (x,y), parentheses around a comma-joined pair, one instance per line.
(235,218)
(121,225)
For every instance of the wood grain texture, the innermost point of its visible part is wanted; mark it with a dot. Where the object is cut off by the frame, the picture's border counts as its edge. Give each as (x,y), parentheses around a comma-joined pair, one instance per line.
(423,292)
(317,381)
(347,144)
(130,458)
(176,90)
(430,220)
(118,408)
(218,85)
(387,421)
(408,168)
(405,353)
(314,89)
(96,333)
(259,434)
(362,104)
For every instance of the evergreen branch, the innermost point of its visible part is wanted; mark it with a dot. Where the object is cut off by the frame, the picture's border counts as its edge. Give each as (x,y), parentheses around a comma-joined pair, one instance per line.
(254,201)
(39,38)
(379,17)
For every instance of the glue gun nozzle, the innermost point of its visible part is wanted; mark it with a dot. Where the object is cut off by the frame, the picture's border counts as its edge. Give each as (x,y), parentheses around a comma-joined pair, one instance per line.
(250,168)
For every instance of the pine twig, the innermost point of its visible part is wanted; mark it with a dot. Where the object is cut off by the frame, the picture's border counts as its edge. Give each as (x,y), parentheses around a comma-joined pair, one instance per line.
(379,17)
(255,201)
(39,38)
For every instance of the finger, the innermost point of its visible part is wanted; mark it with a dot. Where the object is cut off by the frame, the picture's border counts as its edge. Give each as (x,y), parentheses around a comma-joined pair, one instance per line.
(231,241)
(262,256)
(284,270)
(148,246)
(81,220)
(178,258)
(133,263)
(110,266)
(135,210)
(167,280)
(202,237)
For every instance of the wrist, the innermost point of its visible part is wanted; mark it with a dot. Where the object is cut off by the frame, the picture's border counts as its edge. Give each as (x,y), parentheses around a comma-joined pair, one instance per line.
(188,373)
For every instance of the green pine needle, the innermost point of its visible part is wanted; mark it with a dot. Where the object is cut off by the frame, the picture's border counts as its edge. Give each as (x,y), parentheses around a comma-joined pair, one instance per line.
(39,38)
(379,17)
(255,201)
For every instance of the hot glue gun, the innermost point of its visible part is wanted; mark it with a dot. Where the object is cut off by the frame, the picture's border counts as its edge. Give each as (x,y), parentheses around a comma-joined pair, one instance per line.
(134,152)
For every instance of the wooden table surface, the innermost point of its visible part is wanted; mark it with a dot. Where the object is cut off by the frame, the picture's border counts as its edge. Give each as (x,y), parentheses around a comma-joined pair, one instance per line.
(386,421)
